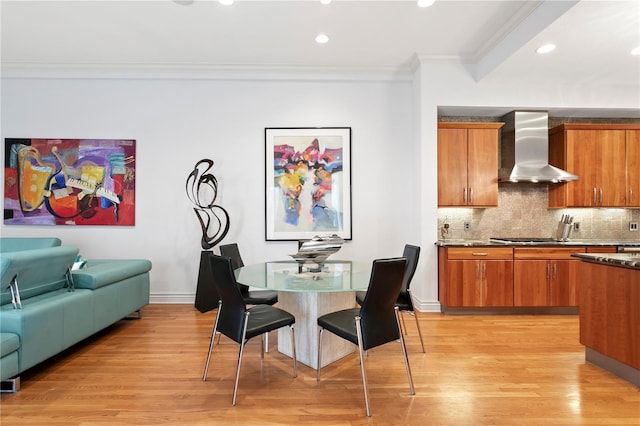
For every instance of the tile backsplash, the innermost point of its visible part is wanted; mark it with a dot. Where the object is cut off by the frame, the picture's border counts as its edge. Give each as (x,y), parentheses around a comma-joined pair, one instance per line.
(522,212)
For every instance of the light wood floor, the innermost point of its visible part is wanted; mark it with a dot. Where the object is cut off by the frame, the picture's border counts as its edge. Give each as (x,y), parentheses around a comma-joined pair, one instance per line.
(507,370)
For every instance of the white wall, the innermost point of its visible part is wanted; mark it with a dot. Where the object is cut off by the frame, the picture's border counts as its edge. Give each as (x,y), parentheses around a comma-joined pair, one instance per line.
(178,121)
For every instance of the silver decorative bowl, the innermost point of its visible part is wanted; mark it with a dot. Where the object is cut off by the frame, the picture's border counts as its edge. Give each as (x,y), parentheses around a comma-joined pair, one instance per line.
(317,250)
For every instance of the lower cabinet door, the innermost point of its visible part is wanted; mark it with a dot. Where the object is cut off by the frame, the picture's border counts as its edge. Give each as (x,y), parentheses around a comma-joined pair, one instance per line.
(472,286)
(498,283)
(531,282)
(563,286)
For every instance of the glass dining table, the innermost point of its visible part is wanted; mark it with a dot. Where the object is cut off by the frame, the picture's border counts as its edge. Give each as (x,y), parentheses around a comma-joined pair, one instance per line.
(308,295)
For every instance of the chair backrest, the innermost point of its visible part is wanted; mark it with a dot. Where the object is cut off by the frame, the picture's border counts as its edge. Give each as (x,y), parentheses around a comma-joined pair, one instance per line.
(412,254)
(231,251)
(232,315)
(378,319)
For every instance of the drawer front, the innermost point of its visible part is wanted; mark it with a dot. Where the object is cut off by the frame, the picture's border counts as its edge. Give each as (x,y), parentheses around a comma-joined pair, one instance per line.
(479,253)
(602,249)
(546,252)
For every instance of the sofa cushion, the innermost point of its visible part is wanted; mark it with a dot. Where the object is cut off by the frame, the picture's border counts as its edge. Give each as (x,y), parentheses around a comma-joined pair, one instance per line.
(37,271)
(9,342)
(43,323)
(99,273)
(21,244)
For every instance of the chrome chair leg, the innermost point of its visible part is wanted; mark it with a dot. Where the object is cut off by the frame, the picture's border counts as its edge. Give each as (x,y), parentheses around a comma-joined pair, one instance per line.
(293,346)
(404,354)
(419,330)
(362,369)
(404,326)
(244,342)
(266,342)
(213,335)
(320,330)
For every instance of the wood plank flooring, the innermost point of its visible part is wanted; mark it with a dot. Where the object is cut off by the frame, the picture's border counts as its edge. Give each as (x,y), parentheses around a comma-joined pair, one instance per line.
(499,370)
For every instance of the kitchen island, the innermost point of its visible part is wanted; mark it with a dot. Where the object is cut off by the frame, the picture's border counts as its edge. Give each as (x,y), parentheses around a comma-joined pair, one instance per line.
(609,301)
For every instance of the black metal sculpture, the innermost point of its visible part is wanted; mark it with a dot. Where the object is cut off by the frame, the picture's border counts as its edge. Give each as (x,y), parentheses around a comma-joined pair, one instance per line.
(200,183)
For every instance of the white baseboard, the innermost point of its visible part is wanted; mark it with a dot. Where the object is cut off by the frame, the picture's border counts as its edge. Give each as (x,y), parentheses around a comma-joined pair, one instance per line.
(426,306)
(173,298)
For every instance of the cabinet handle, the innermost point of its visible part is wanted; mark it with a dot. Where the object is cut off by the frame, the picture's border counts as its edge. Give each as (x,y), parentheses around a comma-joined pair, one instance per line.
(478,271)
(470,195)
(484,271)
(479,253)
(548,271)
(595,196)
(464,196)
(555,271)
(630,195)
(600,196)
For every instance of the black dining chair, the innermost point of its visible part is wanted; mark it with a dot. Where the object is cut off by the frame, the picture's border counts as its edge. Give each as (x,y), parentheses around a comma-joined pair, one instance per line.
(260,297)
(405,302)
(237,322)
(376,322)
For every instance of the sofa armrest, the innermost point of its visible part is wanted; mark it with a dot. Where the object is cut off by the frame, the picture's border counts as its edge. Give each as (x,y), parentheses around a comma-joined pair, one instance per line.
(99,273)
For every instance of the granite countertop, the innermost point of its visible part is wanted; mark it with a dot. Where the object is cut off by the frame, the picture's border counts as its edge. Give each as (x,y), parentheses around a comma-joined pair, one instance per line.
(569,243)
(626,260)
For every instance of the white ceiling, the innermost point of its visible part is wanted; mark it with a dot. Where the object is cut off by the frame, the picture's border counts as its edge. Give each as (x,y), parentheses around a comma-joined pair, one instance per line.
(594,38)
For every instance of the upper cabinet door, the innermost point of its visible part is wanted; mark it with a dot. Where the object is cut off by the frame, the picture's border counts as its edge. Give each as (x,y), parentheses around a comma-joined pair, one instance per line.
(452,167)
(610,168)
(482,167)
(633,167)
(581,161)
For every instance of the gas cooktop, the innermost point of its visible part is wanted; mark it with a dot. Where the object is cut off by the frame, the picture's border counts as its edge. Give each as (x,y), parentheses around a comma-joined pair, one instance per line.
(507,240)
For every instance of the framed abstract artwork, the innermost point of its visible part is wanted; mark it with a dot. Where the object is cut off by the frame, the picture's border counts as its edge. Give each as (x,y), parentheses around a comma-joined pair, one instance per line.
(308,183)
(69,182)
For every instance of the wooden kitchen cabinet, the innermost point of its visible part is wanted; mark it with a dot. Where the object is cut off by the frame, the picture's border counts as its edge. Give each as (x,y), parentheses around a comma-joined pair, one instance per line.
(605,158)
(476,276)
(546,276)
(468,164)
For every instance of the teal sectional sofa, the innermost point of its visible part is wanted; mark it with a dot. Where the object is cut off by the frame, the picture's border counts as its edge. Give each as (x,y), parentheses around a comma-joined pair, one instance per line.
(45,307)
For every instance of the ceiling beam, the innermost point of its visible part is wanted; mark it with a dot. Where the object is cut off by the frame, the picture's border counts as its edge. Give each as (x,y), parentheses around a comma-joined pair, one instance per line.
(539,19)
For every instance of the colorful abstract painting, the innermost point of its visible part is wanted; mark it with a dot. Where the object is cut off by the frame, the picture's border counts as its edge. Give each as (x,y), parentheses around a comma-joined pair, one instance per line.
(69,182)
(308,180)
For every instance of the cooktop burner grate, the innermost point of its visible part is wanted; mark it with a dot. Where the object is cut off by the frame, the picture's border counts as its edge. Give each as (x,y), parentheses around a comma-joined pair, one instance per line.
(522,239)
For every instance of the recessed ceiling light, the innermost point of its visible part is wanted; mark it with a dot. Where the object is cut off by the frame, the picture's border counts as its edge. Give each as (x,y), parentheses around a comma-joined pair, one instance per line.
(636,51)
(226,2)
(325,1)
(322,38)
(546,48)
(425,3)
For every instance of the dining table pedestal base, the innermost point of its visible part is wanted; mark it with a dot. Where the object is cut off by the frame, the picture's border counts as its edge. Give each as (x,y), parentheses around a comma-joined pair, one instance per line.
(307,307)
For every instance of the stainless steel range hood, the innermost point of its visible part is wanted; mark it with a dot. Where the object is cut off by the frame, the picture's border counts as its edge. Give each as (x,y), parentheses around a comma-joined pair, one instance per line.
(524,150)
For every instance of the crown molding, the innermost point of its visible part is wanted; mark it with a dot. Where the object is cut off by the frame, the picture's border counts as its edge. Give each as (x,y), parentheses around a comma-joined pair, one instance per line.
(198,72)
